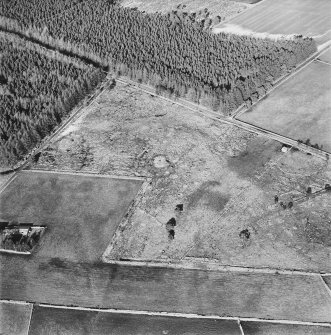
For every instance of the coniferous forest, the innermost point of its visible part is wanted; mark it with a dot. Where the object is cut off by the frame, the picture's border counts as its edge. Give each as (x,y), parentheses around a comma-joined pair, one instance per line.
(176,55)
(36,92)
(169,52)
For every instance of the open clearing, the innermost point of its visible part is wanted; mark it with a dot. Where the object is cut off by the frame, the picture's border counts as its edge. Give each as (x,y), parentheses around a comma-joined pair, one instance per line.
(47,321)
(299,108)
(14,318)
(259,328)
(226,179)
(223,8)
(286,17)
(81,212)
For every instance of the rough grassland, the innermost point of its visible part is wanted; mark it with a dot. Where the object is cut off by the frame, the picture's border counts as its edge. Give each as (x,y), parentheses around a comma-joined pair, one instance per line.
(223,8)
(47,321)
(225,178)
(299,108)
(14,318)
(259,328)
(81,212)
(306,17)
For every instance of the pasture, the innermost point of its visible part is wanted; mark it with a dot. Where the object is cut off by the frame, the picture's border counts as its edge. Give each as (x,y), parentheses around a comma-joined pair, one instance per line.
(48,321)
(299,108)
(81,212)
(14,318)
(141,288)
(286,17)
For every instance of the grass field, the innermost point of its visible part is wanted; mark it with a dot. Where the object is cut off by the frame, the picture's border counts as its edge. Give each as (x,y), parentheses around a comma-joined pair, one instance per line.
(49,321)
(222,8)
(162,289)
(14,318)
(81,213)
(306,17)
(225,178)
(259,328)
(299,108)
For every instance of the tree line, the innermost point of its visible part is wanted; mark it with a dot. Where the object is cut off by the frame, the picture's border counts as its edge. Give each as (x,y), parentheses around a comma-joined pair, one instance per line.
(36,92)
(177,56)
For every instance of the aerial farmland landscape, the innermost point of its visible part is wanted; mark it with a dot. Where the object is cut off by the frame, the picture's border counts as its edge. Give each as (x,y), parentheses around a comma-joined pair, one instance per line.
(165,167)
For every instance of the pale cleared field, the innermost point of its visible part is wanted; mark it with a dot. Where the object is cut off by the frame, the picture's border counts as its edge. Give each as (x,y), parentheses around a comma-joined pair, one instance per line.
(223,8)
(306,17)
(14,318)
(299,108)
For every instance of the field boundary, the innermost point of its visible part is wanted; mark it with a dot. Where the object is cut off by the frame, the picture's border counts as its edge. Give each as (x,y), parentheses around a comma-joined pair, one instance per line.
(15,252)
(240,327)
(30,318)
(17,302)
(322,61)
(209,266)
(129,212)
(86,174)
(177,315)
(5,185)
(326,285)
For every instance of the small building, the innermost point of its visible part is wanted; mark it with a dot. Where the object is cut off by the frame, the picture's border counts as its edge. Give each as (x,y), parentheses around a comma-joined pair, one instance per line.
(24,228)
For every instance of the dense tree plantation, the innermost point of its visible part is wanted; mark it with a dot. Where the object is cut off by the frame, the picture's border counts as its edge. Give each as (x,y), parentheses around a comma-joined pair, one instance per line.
(36,92)
(167,51)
